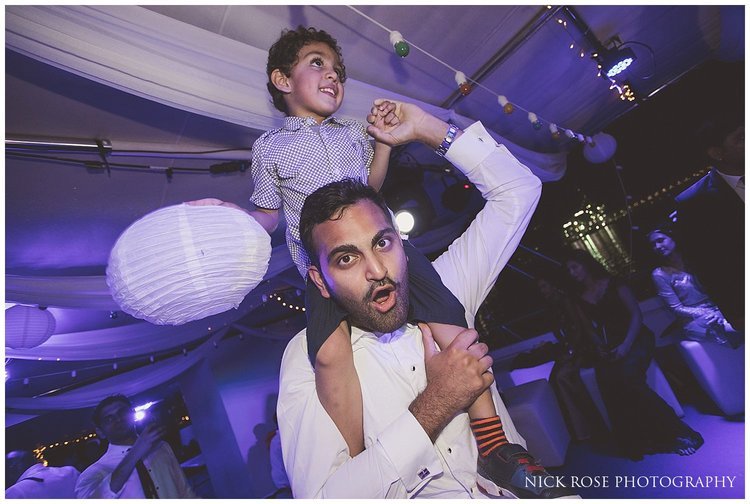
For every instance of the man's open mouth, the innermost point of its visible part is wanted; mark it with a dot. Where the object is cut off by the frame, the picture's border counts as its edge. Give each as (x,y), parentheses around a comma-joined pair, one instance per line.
(384,298)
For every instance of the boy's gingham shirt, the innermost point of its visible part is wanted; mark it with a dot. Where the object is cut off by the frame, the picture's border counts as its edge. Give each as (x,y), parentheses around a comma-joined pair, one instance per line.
(292,162)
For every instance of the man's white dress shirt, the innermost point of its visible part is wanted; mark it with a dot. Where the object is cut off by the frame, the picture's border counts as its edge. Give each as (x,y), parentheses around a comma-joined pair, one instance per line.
(162,466)
(736,182)
(399,460)
(56,483)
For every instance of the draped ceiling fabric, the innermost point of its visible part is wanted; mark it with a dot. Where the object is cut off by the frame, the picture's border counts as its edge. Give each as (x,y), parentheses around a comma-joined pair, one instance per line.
(158,58)
(129,383)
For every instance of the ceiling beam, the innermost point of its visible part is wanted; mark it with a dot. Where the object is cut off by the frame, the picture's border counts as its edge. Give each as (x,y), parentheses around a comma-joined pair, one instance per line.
(507,50)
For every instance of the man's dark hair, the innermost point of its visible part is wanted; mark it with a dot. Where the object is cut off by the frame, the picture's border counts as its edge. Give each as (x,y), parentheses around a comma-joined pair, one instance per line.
(713,130)
(106,402)
(329,203)
(284,54)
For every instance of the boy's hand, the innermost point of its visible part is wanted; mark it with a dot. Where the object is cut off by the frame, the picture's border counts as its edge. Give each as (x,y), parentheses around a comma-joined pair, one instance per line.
(382,116)
(395,123)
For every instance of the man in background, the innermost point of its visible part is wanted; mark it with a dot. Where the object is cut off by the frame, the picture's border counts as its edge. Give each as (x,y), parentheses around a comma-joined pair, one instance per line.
(30,479)
(135,466)
(711,216)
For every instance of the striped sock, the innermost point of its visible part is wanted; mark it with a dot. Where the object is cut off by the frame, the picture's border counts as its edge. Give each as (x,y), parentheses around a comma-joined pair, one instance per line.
(488,433)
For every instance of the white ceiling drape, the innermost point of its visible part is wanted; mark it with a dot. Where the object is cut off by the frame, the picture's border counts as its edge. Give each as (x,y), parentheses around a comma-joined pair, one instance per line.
(129,383)
(164,60)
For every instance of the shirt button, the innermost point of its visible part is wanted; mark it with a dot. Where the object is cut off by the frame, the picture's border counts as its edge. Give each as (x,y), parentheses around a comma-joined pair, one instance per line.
(450,451)
(414,368)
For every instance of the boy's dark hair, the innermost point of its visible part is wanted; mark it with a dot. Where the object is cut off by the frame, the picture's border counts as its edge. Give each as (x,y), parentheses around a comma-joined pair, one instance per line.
(106,402)
(284,54)
(328,203)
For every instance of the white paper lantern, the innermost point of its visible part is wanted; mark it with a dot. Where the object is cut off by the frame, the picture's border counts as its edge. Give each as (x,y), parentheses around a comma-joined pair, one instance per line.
(27,326)
(603,149)
(183,263)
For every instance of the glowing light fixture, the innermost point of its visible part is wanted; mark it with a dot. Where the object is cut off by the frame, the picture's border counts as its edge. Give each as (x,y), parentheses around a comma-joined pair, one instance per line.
(405,221)
(182,263)
(27,326)
(617,60)
(140,411)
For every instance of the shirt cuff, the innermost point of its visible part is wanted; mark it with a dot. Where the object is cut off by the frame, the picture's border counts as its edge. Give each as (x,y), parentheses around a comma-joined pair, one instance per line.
(472,147)
(410,451)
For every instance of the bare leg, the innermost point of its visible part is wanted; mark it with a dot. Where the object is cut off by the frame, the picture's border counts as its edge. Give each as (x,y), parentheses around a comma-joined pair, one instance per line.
(338,388)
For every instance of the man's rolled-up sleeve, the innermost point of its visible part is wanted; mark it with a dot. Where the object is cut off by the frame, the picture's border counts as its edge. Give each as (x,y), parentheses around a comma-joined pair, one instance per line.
(473,261)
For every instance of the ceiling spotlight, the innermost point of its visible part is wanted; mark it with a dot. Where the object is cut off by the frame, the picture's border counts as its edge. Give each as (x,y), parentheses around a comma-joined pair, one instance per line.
(410,197)
(616,60)
(405,221)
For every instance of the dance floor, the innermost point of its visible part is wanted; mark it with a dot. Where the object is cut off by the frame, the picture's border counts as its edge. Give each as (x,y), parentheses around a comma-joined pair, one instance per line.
(716,471)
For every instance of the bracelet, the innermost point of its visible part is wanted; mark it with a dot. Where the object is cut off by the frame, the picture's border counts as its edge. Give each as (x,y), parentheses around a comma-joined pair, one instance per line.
(448,140)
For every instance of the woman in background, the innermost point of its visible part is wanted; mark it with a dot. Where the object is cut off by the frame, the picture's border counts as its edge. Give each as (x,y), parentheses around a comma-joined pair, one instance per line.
(642,422)
(683,293)
(577,351)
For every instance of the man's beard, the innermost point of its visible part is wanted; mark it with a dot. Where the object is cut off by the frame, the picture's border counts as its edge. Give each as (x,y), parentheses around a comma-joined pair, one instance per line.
(364,316)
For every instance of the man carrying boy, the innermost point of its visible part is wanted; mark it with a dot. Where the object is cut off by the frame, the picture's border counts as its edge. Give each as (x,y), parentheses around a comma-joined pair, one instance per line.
(418,438)
(313,148)
(306,74)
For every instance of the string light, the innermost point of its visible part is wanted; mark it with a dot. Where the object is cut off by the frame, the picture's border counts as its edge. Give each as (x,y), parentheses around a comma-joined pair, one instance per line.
(39,451)
(507,106)
(465,85)
(624,95)
(399,44)
(276,297)
(534,120)
(554,131)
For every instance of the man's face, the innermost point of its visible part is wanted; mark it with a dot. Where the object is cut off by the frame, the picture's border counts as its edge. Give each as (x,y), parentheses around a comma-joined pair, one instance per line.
(734,146)
(730,156)
(117,422)
(363,267)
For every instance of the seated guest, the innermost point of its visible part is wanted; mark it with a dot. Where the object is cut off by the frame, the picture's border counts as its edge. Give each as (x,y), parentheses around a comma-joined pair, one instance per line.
(642,422)
(135,466)
(30,479)
(685,296)
(579,410)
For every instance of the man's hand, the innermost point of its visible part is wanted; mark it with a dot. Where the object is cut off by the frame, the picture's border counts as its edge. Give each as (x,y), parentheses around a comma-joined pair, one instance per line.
(147,440)
(456,376)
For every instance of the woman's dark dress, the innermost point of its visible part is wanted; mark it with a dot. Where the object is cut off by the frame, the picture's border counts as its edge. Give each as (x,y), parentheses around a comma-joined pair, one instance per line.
(641,420)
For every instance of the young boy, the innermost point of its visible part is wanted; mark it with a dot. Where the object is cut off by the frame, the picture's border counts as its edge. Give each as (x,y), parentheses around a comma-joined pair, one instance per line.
(313,148)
